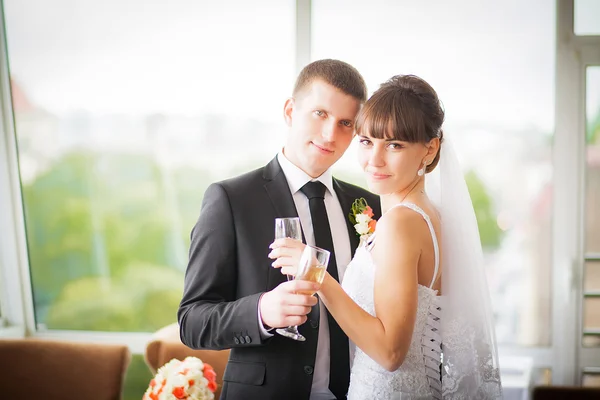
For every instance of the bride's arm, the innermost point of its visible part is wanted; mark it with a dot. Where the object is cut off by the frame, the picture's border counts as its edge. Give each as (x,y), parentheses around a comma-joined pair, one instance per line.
(385,338)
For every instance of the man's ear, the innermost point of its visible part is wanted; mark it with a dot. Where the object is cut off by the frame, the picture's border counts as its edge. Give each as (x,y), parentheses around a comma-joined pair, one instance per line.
(288,109)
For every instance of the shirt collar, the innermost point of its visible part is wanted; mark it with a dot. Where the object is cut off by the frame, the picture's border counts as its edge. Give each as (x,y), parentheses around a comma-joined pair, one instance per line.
(297,178)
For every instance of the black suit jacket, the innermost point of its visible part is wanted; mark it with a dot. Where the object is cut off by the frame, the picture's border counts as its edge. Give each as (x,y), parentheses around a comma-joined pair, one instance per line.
(228,271)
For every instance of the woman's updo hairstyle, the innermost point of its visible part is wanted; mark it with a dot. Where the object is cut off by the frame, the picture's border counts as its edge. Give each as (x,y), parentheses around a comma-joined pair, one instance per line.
(404,108)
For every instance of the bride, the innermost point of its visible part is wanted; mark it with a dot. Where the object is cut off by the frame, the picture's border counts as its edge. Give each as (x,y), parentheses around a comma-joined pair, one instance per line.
(414,300)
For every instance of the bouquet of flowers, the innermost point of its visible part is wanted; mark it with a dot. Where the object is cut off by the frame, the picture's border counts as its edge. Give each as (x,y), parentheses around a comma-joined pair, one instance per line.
(188,379)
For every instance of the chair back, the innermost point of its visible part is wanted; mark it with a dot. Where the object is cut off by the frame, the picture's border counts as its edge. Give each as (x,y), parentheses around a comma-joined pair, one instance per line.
(44,369)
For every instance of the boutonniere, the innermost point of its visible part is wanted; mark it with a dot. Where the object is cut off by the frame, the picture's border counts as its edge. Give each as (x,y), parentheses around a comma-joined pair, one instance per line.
(362,218)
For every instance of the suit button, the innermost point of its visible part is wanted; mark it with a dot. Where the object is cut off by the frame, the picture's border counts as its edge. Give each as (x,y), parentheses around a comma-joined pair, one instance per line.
(242,340)
(236,340)
(314,323)
(248,339)
(308,370)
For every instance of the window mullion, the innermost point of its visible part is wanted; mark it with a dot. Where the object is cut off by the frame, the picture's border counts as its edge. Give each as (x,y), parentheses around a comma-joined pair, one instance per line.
(15,289)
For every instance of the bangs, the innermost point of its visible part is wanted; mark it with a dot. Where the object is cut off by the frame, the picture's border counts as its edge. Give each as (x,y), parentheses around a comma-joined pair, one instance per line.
(393,115)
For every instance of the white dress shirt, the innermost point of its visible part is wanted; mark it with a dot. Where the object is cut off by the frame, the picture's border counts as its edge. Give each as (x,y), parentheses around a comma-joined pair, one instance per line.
(296,178)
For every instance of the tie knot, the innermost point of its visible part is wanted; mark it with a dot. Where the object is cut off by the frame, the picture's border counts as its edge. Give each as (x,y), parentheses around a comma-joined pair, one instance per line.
(314,190)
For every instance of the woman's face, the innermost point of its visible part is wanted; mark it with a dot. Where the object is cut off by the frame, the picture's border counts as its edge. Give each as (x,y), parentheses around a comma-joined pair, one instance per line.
(391,165)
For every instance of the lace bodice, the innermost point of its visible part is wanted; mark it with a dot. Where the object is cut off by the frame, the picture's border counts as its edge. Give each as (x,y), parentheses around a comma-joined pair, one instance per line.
(419,375)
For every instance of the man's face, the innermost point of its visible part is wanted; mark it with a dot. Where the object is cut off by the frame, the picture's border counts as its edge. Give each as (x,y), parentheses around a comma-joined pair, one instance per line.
(321,121)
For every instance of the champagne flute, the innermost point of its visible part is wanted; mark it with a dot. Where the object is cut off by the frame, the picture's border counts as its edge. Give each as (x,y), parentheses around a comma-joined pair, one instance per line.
(311,267)
(288,228)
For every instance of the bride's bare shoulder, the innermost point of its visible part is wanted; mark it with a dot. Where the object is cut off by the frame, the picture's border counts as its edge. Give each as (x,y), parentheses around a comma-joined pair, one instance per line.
(398,222)
(408,220)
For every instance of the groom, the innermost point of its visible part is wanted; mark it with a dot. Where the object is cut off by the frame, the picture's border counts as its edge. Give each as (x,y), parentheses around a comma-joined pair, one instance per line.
(232,297)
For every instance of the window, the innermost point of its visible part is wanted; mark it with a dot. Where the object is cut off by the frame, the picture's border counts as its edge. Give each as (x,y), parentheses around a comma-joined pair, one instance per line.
(586,21)
(497,86)
(591,279)
(591,379)
(125,112)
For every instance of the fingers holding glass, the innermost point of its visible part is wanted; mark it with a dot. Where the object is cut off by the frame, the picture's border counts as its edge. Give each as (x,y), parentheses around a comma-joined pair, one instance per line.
(286,254)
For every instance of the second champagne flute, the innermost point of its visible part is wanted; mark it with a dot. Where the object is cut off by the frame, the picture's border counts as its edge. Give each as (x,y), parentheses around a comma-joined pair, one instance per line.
(311,267)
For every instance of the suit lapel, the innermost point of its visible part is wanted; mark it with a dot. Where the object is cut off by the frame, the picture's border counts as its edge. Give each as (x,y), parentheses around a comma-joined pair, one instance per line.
(346,201)
(278,191)
(281,198)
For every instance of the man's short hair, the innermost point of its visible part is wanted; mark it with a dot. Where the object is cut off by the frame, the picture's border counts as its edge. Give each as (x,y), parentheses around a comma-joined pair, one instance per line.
(338,74)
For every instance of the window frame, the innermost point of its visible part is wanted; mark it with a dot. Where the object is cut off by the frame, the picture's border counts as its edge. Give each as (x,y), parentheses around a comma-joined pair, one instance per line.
(588,357)
(567,364)
(15,294)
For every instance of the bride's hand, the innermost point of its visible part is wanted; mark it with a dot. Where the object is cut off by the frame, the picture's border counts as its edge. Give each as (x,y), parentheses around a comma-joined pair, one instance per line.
(286,253)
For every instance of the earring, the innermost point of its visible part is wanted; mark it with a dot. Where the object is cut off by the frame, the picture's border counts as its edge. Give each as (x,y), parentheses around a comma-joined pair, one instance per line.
(421,172)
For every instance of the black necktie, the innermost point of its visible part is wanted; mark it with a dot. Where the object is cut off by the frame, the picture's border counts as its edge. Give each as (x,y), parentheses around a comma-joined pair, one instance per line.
(339,367)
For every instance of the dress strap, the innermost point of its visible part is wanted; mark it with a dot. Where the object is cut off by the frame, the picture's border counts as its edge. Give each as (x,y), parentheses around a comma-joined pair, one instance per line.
(436,248)
(370,242)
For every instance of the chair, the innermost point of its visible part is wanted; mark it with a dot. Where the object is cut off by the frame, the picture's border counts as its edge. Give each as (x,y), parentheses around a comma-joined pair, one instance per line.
(166,345)
(44,369)
(565,393)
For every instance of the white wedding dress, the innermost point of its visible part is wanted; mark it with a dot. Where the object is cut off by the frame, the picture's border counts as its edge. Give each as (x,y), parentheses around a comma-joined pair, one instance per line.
(455,329)
(419,375)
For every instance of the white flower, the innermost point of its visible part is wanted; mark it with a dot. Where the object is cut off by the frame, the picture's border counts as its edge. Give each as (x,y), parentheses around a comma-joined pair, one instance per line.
(178,375)
(362,228)
(178,380)
(193,363)
(362,219)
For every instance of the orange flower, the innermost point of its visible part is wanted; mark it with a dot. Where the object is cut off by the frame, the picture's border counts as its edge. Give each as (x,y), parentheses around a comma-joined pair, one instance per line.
(191,382)
(179,392)
(369,212)
(212,386)
(372,224)
(209,372)
(154,396)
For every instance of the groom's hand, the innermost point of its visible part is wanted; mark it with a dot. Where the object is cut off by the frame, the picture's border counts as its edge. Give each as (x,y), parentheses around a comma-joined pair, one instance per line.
(284,306)
(287,253)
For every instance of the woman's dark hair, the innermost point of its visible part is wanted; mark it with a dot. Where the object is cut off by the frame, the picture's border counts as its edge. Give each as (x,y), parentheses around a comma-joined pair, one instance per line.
(404,108)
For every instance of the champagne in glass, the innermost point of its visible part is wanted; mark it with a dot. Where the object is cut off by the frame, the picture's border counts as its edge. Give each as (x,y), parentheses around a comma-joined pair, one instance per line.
(311,267)
(313,273)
